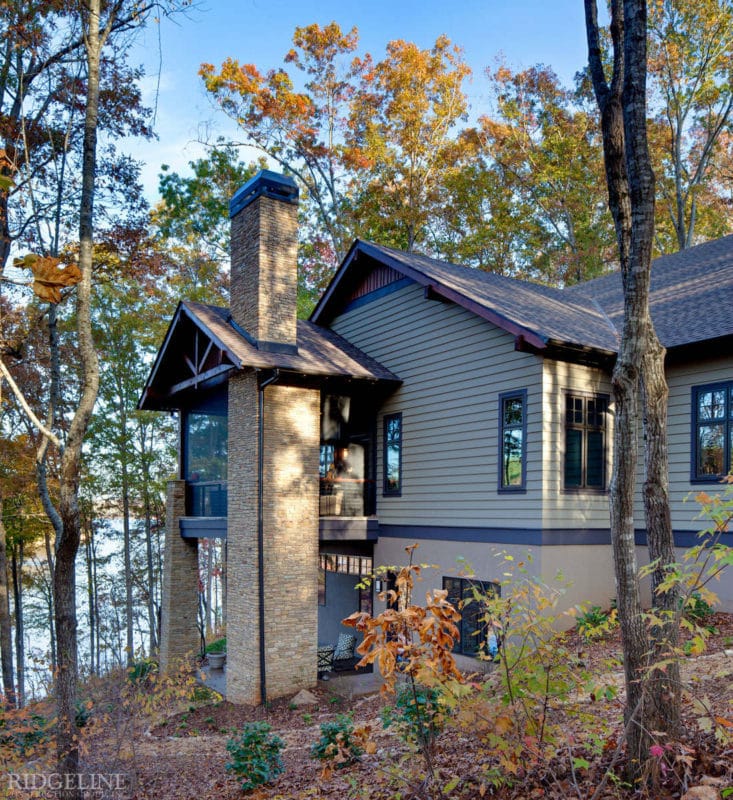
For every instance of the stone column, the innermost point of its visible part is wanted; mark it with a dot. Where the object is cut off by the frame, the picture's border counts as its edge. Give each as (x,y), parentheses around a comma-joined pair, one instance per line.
(179,635)
(290,531)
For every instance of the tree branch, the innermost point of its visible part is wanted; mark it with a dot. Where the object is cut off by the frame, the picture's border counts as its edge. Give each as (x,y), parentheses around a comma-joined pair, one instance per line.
(49,434)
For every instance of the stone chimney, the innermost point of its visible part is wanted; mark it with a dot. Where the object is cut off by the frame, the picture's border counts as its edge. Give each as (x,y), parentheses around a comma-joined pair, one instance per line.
(264,248)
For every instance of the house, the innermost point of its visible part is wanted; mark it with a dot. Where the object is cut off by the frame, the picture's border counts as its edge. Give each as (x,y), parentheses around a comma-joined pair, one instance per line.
(421,402)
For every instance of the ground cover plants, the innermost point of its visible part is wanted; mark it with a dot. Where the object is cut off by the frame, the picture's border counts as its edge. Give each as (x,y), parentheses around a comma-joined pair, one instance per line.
(542,718)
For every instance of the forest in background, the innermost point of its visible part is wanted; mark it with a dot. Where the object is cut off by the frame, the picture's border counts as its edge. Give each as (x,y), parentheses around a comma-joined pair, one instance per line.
(384,147)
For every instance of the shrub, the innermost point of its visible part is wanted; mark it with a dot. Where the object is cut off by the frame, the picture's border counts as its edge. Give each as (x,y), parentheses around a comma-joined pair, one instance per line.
(595,622)
(338,742)
(83,712)
(697,610)
(217,646)
(416,715)
(22,731)
(141,670)
(255,755)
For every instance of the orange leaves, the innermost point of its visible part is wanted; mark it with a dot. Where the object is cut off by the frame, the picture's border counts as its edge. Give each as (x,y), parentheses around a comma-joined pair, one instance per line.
(410,639)
(49,275)
(6,171)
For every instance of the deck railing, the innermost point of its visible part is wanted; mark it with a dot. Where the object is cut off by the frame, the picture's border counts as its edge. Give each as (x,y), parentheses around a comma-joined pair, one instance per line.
(339,497)
(346,497)
(206,499)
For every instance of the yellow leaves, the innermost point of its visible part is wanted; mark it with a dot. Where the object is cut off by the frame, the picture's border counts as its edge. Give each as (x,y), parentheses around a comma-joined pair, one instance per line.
(6,166)
(49,275)
(503,724)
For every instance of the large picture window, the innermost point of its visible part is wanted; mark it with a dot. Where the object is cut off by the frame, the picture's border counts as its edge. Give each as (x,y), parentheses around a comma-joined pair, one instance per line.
(712,423)
(393,454)
(513,441)
(585,441)
(477,635)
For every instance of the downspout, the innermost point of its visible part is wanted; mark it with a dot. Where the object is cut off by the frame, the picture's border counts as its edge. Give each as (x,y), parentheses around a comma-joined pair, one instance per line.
(260,523)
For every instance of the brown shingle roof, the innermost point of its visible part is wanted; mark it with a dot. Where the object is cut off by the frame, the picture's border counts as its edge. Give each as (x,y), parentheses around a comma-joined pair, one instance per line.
(691,301)
(691,294)
(321,352)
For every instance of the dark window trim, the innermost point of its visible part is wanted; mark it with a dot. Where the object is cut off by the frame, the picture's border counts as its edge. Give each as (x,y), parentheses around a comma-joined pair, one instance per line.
(591,490)
(386,491)
(728,423)
(522,487)
(486,586)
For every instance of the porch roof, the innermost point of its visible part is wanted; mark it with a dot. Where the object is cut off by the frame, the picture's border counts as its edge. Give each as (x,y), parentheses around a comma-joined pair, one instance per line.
(184,363)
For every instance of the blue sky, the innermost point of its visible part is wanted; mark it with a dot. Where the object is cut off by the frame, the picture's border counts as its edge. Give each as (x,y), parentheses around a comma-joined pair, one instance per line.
(524,32)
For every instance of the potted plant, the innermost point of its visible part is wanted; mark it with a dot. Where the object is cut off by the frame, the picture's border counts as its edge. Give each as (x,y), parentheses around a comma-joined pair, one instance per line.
(216,653)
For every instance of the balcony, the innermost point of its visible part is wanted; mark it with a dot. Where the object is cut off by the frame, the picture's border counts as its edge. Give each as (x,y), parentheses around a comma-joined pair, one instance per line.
(346,497)
(346,510)
(206,499)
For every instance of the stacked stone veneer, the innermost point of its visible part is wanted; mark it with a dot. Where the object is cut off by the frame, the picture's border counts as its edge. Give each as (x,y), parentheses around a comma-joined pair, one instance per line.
(179,629)
(290,536)
(264,276)
(264,291)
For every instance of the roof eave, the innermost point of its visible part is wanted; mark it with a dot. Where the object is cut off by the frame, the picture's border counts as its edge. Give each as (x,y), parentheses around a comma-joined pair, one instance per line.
(436,288)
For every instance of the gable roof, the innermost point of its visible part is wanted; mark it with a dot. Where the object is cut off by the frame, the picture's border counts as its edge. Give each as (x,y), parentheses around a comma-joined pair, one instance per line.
(691,298)
(320,351)
(692,294)
(226,348)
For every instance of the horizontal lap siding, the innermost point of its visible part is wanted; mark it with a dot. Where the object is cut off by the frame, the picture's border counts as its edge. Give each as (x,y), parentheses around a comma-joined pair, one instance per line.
(566,509)
(681,379)
(453,366)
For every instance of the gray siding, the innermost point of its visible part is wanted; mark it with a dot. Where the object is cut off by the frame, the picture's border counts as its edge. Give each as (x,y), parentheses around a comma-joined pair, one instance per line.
(454,365)
(681,379)
(570,509)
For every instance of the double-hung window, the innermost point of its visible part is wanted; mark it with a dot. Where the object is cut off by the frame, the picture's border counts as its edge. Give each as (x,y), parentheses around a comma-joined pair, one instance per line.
(586,441)
(712,431)
(513,441)
(392,454)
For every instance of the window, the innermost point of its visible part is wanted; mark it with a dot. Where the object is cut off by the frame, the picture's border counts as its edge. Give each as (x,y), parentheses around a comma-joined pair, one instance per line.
(512,441)
(712,431)
(585,441)
(393,454)
(476,632)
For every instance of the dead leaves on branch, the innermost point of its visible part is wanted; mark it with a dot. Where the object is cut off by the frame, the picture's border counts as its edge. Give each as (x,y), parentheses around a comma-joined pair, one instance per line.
(50,275)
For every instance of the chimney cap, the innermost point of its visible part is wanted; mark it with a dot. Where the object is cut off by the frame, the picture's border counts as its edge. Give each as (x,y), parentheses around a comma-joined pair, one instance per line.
(267,183)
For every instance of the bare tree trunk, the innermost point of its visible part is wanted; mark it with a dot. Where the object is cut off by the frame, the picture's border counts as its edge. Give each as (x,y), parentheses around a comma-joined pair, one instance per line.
(631,200)
(50,563)
(152,616)
(93,665)
(665,695)
(130,644)
(209,608)
(6,629)
(67,545)
(17,566)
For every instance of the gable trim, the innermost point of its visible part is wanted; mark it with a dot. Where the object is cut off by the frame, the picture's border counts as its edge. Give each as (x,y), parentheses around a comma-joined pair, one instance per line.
(148,395)
(320,314)
(377,294)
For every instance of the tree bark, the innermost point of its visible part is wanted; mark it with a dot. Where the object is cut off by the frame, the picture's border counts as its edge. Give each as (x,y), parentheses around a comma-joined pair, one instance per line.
(6,630)
(17,566)
(631,199)
(67,545)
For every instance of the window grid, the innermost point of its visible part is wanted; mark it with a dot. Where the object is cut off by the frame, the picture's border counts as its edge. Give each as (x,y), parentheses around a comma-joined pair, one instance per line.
(585,442)
(476,632)
(513,441)
(712,431)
